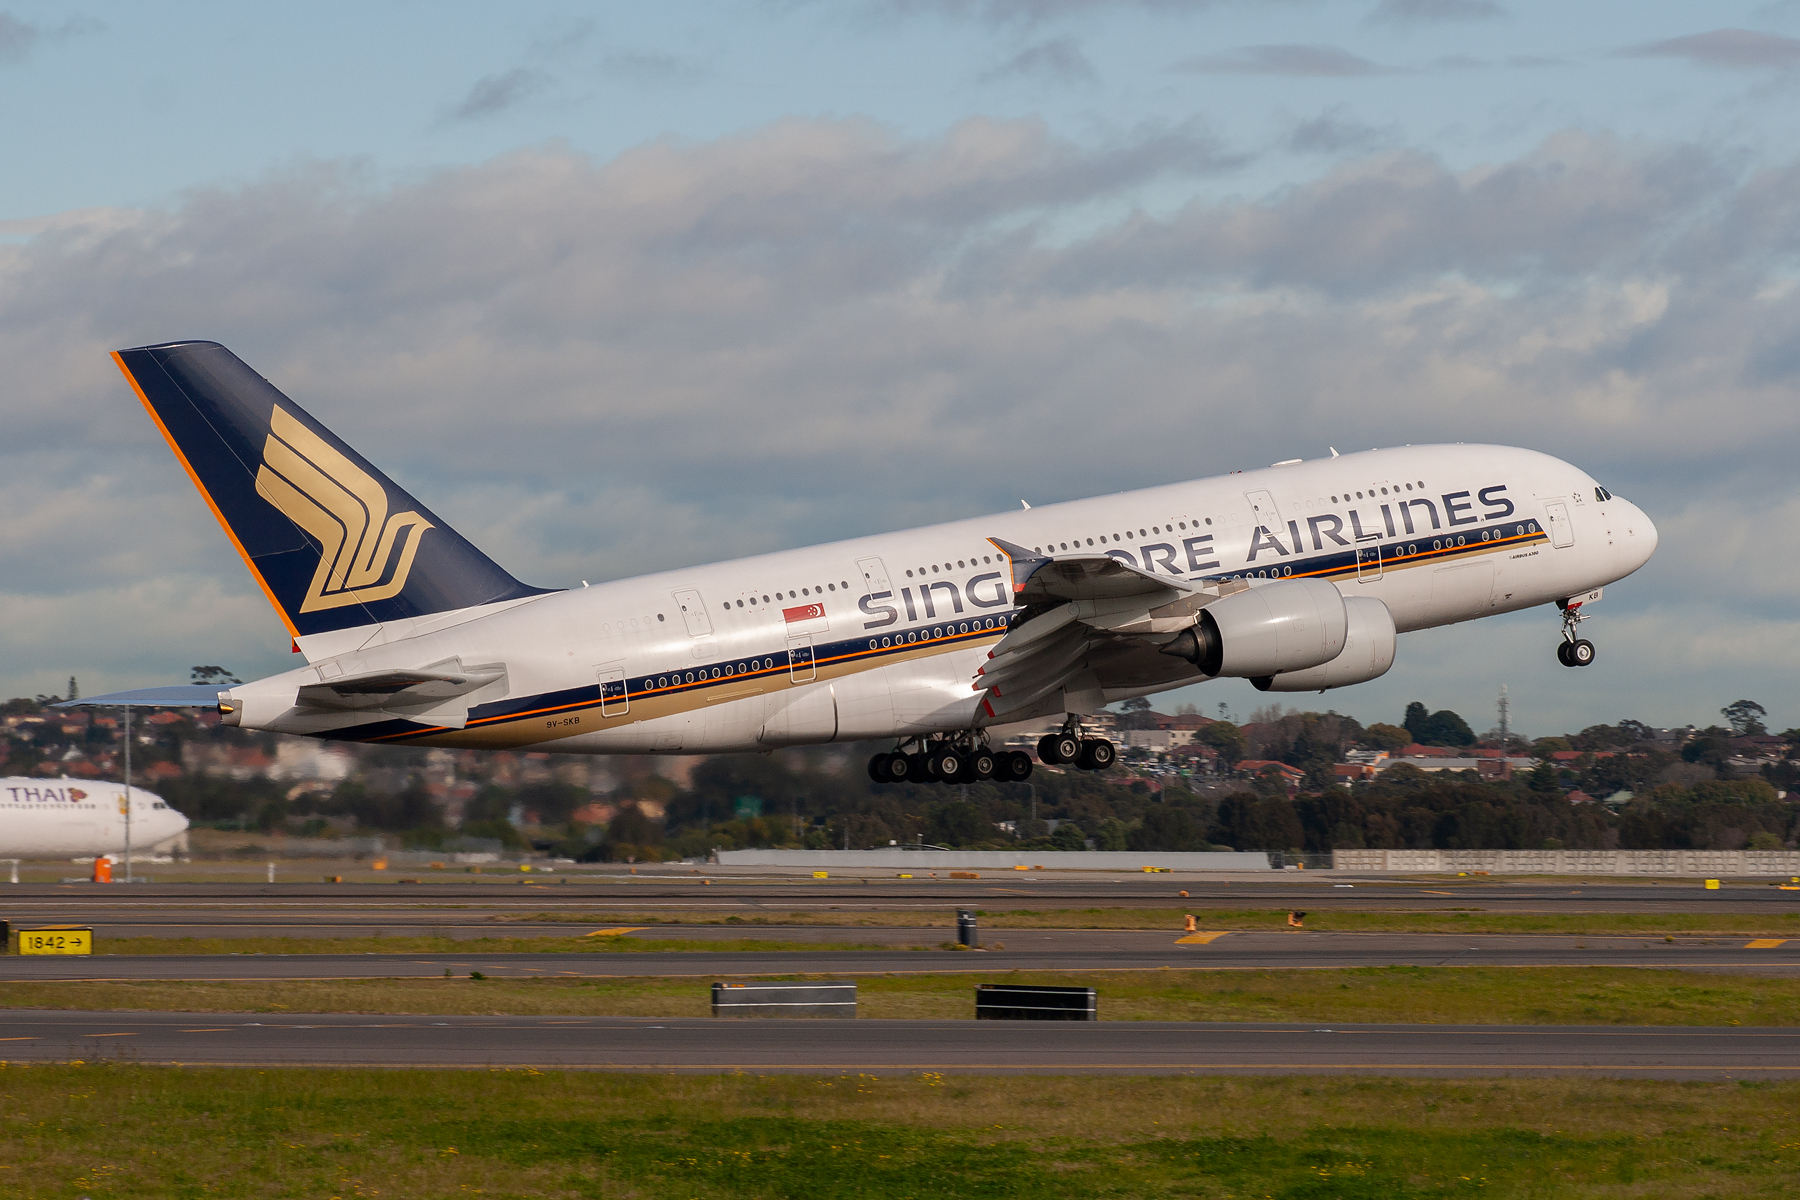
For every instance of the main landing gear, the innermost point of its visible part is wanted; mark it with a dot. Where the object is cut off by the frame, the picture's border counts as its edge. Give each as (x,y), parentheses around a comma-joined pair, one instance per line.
(965,758)
(1573,651)
(961,758)
(1068,746)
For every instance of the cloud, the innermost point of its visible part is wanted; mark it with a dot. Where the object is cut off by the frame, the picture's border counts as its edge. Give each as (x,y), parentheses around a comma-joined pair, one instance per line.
(1028,12)
(1729,49)
(1329,133)
(19,37)
(494,94)
(818,329)
(1058,60)
(1420,12)
(1309,60)
(1575,204)
(651,68)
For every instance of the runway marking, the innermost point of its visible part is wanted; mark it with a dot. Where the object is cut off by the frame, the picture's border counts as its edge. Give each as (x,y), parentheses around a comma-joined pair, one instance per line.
(109,1035)
(615,931)
(1201,939)
(1764,943)
(1424,892)
(18,1039)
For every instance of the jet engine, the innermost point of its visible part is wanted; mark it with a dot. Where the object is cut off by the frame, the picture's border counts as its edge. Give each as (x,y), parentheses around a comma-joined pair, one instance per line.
(1269,630)
(1368,653)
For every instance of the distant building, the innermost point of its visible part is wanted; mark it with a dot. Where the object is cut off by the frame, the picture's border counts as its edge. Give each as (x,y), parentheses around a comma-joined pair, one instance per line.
(1153,739)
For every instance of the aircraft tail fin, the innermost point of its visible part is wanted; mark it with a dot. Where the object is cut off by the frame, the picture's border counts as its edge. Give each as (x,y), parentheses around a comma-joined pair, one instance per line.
(334,543)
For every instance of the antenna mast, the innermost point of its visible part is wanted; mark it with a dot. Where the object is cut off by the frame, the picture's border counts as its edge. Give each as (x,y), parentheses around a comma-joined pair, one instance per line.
(1505,726)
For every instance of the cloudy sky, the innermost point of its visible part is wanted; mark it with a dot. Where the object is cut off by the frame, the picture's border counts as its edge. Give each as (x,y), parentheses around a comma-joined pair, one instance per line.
(619,288)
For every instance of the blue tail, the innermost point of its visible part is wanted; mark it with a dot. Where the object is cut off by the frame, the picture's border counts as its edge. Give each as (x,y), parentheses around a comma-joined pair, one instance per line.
(334,543)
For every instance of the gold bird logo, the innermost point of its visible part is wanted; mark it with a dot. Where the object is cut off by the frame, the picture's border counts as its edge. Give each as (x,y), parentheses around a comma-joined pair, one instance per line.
(366,554)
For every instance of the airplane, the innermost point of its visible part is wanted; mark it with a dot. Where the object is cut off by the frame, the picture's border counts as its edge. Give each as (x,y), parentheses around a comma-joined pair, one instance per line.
(1297,577)
(53,818)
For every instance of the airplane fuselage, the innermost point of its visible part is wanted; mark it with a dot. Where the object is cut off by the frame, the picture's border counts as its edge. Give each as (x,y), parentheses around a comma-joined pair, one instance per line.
(61,817)
(881,636)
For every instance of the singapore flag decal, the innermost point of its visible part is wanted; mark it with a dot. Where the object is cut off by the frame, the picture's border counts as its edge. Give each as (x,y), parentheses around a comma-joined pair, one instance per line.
(806,618)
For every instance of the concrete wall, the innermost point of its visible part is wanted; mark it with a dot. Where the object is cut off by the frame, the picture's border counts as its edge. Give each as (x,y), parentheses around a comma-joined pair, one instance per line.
(993,860)
(1574,862)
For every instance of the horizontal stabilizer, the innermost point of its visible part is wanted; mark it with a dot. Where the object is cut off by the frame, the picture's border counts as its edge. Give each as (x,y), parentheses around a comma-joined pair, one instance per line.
(183,695)
(396,689)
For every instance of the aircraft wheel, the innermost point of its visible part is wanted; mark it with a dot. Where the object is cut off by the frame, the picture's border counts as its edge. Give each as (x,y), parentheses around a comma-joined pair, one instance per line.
(1059,748)
(900,769)
(1017,766)
(1562,654)
(921,768)
(984,764)
(945,765)
(881,767)
(1097,754)
(1581,654)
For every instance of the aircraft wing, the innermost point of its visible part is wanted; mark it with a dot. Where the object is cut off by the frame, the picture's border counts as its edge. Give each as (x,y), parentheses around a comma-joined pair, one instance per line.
(1040,579)
(1074,606)
(185,695)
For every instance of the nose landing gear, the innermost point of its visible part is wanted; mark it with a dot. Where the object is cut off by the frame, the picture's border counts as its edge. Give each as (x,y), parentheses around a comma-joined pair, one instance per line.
(1573,651)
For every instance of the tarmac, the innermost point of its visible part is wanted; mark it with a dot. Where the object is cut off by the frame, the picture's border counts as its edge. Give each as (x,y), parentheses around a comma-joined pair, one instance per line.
(453,906)
(887,1047)
(1024,950)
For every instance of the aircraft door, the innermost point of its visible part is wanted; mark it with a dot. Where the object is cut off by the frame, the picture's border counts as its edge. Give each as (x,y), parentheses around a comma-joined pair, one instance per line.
(874,576)
(801,668)
(693,612)
(1263,511)
(615,697)
(1556,517)
(1368,559)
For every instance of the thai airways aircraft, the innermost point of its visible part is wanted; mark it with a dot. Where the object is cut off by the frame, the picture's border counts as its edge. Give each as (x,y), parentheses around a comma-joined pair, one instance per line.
(51,818)
(1297,577)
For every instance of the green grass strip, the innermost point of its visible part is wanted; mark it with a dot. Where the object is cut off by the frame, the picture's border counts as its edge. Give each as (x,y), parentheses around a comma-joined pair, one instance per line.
(1446,919)
(123,1132)
(1443,995)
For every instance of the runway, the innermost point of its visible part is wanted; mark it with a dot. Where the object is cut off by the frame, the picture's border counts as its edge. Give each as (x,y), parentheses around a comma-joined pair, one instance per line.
(1025,950)
(973,1047)
(447,906)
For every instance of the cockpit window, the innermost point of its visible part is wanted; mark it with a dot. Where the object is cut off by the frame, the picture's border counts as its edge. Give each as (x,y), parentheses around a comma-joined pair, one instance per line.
(1601,493)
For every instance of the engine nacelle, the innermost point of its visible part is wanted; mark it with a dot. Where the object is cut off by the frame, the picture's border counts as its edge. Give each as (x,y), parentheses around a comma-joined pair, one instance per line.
(1268,630)
(1368,653)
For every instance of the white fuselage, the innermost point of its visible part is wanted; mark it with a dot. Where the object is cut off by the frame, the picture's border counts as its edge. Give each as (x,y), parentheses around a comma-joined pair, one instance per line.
(881,636)
(57,818)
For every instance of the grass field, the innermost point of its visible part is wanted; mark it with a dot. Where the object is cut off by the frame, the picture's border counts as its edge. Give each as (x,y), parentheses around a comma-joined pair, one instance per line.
(1454,995)
(447,945)
(1432,920)
(111,1131)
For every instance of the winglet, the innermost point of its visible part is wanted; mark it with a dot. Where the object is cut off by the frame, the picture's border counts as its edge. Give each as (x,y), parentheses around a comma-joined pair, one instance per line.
(1022,562)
